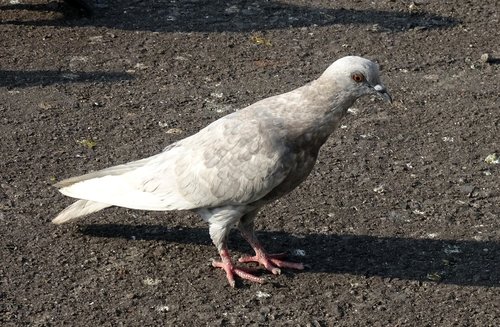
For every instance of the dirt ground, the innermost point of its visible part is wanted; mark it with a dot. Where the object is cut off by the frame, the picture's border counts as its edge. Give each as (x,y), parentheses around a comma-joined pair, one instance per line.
(398,223)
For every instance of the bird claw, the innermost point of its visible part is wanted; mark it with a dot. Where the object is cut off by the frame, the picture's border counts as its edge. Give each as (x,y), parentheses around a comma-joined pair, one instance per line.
(231,270)
(272,262)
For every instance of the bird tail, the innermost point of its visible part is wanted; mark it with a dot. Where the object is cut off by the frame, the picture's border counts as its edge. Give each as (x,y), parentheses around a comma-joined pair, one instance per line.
(78,209)
(133,185)
(85,207)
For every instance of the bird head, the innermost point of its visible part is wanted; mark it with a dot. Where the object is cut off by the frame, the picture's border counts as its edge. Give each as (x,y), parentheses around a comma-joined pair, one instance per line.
(356,77)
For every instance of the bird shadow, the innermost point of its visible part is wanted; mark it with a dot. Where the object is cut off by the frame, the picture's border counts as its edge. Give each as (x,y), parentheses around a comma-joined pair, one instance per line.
(458,262)
(222,16)
(14,78)
(494,61)
(31,13)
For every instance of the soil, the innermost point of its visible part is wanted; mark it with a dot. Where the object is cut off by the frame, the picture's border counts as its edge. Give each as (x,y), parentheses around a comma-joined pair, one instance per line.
(398,223)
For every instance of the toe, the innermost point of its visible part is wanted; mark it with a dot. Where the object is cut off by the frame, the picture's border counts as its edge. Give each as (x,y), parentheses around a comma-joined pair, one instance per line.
(245,275)
(228,269)
(240,272)
(287,264)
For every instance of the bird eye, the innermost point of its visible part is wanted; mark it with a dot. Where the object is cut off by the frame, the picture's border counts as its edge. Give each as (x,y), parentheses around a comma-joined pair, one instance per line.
(358,77)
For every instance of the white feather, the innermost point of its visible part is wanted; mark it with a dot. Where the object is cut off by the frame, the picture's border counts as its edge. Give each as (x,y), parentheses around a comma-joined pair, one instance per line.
(78,209)
(123,192)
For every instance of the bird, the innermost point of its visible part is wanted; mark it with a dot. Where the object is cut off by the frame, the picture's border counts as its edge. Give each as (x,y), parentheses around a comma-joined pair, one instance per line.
(234,166)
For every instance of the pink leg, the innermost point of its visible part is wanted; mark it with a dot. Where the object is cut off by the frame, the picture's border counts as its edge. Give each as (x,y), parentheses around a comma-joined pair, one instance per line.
(231,270)
(272,262)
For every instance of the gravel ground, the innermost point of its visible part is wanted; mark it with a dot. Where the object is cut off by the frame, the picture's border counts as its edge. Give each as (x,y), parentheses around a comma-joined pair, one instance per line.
(399,221)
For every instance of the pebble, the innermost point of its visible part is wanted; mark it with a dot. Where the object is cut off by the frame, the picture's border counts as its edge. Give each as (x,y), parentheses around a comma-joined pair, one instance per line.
(299,253)
(264,295)
(492,159)
(151,281)
(486,57)
(162,308)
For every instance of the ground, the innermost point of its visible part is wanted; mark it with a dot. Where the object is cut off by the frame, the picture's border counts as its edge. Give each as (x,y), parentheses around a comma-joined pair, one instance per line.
(398,223)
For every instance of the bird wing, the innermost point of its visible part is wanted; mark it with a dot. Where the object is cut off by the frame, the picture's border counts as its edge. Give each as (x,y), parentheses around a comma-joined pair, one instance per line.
(235,160)
(238,161)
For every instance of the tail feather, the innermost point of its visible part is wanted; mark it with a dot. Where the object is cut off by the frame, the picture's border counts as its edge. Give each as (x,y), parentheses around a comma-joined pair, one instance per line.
(111,171)
(78,209)
(146,184)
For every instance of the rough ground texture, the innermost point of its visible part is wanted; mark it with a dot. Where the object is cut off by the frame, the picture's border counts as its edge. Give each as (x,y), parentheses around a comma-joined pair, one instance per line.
(399,221)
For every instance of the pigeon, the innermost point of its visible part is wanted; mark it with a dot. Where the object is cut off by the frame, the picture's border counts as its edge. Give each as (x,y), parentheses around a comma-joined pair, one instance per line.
(237,164)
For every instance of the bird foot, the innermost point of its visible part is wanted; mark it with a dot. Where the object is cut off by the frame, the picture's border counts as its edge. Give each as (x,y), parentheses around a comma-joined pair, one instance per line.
(231,270)
(272,262)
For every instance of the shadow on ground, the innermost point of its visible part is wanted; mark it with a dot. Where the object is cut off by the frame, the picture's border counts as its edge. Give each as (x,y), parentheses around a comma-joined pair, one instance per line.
(14,78)
(227,16)
(442,261)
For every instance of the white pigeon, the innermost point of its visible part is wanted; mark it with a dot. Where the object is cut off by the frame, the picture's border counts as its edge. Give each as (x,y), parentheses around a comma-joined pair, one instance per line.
(230,169)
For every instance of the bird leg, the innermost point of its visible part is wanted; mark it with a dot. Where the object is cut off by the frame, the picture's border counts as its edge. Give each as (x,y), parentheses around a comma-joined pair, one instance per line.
(272,262)
(221,221)
(227,264)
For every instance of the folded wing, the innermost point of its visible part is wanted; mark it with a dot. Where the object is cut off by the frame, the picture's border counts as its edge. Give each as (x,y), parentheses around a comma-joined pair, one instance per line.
(230,162)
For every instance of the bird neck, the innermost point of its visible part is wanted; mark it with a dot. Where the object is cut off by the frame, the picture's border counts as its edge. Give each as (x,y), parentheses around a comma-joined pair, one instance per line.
(328,96)
(321,111)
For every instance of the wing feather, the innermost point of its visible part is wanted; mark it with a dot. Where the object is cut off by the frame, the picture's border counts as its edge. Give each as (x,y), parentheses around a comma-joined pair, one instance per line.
(231,161)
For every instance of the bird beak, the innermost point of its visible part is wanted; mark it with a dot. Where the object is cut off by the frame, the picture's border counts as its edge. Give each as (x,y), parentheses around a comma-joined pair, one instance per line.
(382,92)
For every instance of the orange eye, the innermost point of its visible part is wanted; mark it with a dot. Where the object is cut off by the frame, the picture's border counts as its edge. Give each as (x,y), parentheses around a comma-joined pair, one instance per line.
(358,77)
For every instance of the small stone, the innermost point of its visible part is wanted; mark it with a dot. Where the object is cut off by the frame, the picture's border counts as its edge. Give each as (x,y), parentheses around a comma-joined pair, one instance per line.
(232,10)
(452,249)
(162,308)
(492,159)
(46,105)
(448,139)
(151,281)
(486,57)
(96,39)
(299,253)
(435,277)
(263,295)
(174,131)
